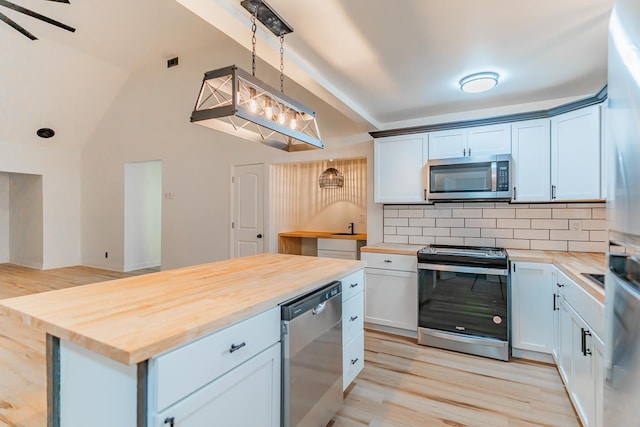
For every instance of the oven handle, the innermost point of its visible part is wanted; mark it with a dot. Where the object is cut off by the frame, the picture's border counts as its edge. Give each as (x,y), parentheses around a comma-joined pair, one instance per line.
(462,338)
(463,269)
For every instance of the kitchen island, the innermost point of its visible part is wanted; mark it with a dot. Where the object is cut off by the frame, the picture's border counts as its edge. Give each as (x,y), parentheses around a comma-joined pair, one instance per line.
(125,352)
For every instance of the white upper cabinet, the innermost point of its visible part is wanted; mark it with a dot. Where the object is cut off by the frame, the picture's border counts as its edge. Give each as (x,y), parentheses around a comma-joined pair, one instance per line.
(575,155)
(489,140)
(531,152)
(398,168)
(447,144)
(476,141)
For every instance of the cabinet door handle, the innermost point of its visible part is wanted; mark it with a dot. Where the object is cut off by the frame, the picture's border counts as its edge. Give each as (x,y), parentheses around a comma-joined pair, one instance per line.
(354,361)
(555,307)
(464,152)
(469,150)
(553,192)
(514,193)
(237,347)
(170,421)
(353,318)
(387,260)
(585,351)
(353,285)
(425,194)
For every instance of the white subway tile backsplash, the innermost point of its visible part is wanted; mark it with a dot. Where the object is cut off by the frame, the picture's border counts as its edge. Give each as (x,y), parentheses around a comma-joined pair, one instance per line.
(465,232)
(422,240)
(435,232)
(514,223)
(389,230)
(569,235)
(512,243)
(411,213)
(467,213)
(594,224)
(503,233)
(588,246)
(571,213)
(409,231)
(549,245)
(450,222)
(449,241)
(396,222)
(533,213)
(422,222)
(438,213)
(531,234)
(499,213)
(537,226)
(482,223)
(474,241)
(550,224)
(389,238)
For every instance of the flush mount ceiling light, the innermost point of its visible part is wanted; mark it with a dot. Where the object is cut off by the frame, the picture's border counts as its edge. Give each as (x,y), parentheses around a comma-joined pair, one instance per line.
(479,82)
(32,14)
(331,178)
(236,102)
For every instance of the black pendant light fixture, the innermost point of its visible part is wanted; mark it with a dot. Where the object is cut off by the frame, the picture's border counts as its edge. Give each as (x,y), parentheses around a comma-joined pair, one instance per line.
(236,102)
(32,14)
(331,178)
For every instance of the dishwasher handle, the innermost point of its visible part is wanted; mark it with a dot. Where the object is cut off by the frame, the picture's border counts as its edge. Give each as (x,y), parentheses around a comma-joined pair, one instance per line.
(319,308)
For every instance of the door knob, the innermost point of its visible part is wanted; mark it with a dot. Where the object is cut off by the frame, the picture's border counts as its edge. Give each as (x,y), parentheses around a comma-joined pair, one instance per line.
(259,236)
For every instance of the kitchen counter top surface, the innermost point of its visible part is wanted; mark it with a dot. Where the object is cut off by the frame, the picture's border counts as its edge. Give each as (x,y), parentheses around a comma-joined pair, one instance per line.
(392,248)
(570,263)
(133,319)
(323,235)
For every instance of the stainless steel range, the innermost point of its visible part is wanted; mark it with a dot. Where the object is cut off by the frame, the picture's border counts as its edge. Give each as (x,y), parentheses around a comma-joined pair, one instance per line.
(463,299)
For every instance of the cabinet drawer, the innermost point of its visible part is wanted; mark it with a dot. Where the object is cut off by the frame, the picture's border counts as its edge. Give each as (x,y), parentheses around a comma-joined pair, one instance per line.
(353,360)
(338,244)
(352,284)
(390,261)
(327,253)
(185,369)
(352,317)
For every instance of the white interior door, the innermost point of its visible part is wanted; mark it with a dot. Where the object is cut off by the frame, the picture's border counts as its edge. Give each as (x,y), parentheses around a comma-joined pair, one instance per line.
(248,210)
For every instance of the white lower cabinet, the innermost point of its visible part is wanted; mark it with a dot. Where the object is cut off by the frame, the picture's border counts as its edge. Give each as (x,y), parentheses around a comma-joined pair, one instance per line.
(391,293)
(225,400)
(352,327)
(532,306)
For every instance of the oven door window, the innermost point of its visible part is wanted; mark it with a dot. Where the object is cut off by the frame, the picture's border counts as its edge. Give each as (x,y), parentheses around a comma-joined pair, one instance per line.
(460,178)
(463,303)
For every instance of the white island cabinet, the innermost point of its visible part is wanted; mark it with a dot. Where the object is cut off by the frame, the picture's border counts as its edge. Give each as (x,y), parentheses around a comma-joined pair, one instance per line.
(181,348)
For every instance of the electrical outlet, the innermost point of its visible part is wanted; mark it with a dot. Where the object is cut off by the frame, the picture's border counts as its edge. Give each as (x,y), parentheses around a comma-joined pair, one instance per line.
(168,195)
(361,219)
(575,225)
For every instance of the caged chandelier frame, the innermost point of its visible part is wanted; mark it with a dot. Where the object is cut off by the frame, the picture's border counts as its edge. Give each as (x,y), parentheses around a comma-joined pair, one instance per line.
(236,102)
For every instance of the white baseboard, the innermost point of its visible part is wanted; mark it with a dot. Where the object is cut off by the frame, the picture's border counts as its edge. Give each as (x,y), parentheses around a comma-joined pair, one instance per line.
(532,355)
(104,266)
(391,330)
(140,266)
(30,264)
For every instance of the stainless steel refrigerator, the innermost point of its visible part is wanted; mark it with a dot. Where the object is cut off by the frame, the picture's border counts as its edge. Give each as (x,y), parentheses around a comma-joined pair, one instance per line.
(622,281)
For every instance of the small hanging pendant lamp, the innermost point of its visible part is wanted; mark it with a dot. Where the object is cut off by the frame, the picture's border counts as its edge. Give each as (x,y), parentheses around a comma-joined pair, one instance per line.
(331,178)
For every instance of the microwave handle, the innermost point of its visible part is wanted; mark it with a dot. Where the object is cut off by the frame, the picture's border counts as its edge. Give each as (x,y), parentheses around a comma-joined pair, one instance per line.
(514,193)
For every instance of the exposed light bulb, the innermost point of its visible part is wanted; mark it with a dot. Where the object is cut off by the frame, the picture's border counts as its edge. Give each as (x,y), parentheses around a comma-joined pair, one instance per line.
(253,103)
(282,119)
(293,123)
(268,109)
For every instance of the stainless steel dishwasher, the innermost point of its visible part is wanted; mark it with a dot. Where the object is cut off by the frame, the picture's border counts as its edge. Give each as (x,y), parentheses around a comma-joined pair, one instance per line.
(312,357)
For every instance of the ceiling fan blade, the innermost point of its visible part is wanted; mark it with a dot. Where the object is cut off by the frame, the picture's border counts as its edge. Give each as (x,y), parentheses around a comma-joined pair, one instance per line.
(12,23)
(33,14)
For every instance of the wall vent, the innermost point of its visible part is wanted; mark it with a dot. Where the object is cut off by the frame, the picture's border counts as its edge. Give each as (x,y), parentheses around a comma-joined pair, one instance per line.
(172,62)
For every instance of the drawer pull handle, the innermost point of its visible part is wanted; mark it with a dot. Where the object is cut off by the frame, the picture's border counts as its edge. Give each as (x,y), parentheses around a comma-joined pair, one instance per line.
(388,260)
(353,285)
(353,318)
(354,361)
(237,347)
(170,421)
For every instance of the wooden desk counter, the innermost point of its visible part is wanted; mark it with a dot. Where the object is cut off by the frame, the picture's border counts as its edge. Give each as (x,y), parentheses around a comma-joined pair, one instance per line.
(290,242)
(130,320)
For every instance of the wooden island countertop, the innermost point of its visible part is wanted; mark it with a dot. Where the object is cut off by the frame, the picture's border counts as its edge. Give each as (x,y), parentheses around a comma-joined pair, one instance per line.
(130,320)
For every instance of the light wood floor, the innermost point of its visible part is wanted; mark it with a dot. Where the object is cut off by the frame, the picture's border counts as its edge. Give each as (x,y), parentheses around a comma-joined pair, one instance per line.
(402,384)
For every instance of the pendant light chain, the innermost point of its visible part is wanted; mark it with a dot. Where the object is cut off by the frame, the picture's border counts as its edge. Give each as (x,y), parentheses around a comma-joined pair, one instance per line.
(282,63)
(253,43)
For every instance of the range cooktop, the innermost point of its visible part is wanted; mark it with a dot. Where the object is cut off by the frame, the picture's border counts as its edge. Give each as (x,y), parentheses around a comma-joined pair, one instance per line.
(480,256)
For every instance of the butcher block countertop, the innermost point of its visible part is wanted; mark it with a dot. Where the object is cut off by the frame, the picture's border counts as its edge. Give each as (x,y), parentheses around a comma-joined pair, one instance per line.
(570,263)
(132,319)
(323,235)
(392,248)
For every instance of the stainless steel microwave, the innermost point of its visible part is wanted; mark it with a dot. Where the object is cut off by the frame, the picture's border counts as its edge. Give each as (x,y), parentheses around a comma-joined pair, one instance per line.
(479,178)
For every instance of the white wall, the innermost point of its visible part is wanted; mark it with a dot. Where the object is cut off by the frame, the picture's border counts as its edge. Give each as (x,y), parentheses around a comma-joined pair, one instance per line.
(25,220)
(143,219)
(4,217)
(149,120)
(60,171)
